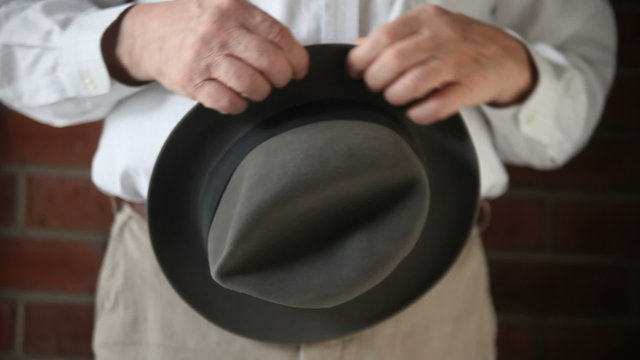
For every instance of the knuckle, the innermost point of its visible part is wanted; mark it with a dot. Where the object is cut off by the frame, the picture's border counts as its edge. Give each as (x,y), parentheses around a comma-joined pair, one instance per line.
(432,10)
(245,80)
(272,29)
(451,30)
(273,62)
(415,81)
(213,27)
(229,5)
(387,34)
(254,88)
(395,60)
(206,25)
(427,34)
(277,33)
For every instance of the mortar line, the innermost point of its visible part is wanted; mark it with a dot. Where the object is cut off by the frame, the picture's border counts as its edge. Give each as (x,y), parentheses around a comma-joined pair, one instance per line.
(55,235)
(41,357)
(48,297)
(558,258)
(613,196)
(52,170)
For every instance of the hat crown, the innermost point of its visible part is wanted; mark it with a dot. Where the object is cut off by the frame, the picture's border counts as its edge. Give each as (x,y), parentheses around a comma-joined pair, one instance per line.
(319,214)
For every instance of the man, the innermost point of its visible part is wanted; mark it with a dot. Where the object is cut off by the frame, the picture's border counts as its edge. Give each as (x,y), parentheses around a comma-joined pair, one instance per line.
(529,78)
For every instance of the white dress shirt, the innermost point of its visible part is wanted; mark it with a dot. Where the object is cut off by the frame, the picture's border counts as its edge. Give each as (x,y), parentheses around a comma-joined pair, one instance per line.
(51,68)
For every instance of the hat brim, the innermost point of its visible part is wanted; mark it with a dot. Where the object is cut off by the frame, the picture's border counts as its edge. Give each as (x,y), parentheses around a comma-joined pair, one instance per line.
(196,146)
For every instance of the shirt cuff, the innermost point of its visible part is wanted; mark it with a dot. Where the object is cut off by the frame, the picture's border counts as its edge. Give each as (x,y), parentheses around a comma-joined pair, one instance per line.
(536,116)
(82,67)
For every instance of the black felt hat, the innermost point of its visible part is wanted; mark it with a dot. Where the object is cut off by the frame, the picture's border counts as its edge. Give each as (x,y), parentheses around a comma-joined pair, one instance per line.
(315,213)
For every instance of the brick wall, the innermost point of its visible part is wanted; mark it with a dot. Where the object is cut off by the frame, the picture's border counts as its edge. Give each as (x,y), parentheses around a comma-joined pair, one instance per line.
(563,246)
(53,227)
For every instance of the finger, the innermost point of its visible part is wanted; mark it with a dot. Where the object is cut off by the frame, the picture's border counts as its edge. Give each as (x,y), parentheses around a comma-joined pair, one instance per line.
(363,55)
(264,56)
(397,59)
(442,104)
(217,96)
(242,78)
(417,82)
(262,24)
(360,41)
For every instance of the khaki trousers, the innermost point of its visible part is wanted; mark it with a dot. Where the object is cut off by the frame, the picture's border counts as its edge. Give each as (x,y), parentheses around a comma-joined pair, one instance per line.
(139,316)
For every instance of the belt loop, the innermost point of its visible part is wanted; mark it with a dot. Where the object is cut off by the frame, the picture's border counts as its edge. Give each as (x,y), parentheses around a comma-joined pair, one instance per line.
(116,204)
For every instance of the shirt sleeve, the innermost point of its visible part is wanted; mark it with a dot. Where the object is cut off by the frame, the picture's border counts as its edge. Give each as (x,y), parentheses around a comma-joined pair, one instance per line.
(51,65)
(573,45)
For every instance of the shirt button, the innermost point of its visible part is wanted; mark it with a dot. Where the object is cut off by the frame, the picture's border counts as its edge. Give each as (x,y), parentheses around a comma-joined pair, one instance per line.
(90,83)
(529,118)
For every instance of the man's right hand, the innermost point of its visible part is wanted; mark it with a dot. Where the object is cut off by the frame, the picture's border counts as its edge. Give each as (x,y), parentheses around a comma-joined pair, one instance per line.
(222,53)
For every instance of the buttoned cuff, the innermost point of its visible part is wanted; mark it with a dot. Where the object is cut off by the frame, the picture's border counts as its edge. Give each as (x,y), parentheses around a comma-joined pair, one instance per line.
(536,116)
(82,67)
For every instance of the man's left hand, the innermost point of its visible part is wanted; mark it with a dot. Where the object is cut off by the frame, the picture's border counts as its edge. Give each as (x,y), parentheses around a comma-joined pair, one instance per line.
(441,62)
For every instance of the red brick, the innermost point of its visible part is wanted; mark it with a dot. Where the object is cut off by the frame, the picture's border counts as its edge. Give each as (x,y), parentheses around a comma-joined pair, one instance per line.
(515,224)
(628,34)
(603,164)
(622,105)
(23,140)
(58,329)
(6,326)
(560,289)
(66,203)
(574,342)
(7,200)
(597,227)
(514,341)
(49,265)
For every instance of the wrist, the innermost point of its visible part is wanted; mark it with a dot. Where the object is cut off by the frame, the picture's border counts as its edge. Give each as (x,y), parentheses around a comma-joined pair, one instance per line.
(524,74)
(117,50)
